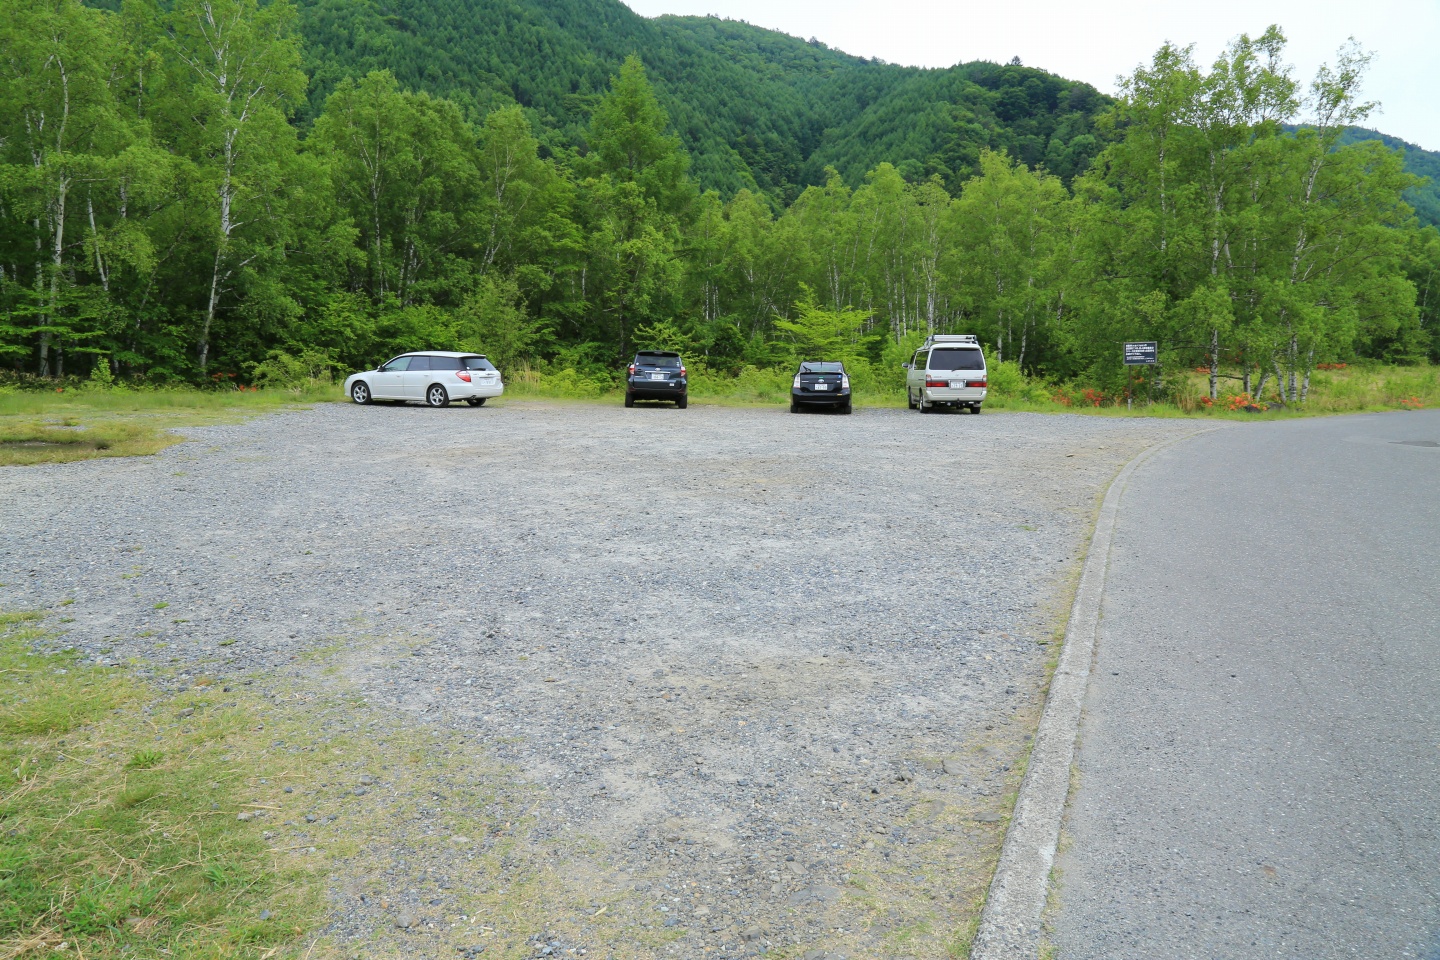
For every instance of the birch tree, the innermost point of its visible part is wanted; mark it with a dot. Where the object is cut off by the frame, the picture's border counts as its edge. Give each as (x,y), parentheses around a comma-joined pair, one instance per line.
(59,120)
(241,79)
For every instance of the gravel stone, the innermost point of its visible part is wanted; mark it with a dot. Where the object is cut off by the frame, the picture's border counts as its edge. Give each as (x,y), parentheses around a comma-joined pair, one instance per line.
(751,631)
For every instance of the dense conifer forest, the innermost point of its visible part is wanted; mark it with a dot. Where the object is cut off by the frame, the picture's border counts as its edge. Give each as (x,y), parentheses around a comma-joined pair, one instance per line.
(234,191)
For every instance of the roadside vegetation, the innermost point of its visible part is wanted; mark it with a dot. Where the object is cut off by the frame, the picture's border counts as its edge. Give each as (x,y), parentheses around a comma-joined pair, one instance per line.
(48,421)
(82,421)
(124,816)
(1220,210)
(152,811)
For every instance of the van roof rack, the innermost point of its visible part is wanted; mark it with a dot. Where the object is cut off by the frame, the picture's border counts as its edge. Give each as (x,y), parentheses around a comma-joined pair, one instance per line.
(935,339)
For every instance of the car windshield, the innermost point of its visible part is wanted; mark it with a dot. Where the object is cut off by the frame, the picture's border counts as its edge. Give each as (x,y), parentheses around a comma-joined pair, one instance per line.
(477,363)
(657,360)
(956,359)
(819,367)
(396,365)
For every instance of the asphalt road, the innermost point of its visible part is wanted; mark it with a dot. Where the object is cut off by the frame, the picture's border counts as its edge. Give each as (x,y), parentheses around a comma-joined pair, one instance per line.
(1259,760)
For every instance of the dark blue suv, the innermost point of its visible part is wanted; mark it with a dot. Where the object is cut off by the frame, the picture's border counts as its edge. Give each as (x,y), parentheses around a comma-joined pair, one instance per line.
(657,375)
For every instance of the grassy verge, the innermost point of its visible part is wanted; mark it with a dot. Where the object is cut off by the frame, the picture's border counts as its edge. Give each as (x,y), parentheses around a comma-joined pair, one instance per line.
(1355,389)
(82,424)
(269,817)
(125,818)
(85,424)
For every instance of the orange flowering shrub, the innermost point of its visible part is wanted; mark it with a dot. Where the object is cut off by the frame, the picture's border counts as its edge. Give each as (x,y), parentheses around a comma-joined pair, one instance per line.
(1412,403)
(1093,397)
(1242,400)
(1331,366)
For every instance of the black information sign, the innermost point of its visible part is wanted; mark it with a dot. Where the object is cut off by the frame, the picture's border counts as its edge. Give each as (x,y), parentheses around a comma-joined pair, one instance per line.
(1139,354)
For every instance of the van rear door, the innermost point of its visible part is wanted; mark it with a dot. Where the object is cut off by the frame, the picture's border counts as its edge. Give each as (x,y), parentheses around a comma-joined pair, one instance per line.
(957,368)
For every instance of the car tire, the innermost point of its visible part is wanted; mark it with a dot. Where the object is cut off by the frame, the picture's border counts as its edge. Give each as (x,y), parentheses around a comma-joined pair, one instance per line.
(435,396)
(910,398)
(629,399)
(847,409)
(794,407)
(975,409)
(683,402)
(922,406)
(477,401)
(360,393)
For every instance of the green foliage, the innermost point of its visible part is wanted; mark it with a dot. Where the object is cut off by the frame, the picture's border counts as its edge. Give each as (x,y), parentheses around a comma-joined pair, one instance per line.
(512,179)
(493,321)
(819,334)
(308,368)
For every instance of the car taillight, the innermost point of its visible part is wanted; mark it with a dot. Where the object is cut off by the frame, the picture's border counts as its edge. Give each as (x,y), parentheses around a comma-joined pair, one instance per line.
(977,383)
(796,384)
(937,383)
(463,375)
(845,383)
(682,371)
(632,369)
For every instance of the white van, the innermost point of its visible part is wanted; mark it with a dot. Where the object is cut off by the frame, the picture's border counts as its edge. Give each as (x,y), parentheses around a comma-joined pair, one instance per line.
(948,371)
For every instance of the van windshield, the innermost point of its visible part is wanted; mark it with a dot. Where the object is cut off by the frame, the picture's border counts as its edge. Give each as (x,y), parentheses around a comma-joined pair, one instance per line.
(950,358)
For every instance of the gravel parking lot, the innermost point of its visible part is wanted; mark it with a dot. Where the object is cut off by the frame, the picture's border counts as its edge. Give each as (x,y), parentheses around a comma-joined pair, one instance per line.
(769,678)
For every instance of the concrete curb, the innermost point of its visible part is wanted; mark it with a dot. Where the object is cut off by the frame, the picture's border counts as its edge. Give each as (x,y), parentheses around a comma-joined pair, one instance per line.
(1010,922)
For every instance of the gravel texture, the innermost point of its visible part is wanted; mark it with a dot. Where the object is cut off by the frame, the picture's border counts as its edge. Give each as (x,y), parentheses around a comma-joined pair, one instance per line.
(768,678)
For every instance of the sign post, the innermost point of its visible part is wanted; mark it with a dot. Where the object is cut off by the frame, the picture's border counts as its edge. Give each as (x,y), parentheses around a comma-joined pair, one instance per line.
(1143,353)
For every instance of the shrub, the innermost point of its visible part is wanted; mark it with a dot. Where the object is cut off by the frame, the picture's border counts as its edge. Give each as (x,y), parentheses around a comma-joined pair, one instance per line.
(280,369)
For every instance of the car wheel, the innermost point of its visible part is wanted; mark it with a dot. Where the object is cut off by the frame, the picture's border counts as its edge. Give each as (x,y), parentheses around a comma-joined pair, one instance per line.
(910,398)
(922,406)
(975,409)
(477,401)
(360,393)
(436,396)
(629,399)
(794,407)
(848,408)
(683,402)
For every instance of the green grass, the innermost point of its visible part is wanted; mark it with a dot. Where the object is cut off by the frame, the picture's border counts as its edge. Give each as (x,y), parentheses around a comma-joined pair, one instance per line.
(84,424)
(118,845)
(1356,389)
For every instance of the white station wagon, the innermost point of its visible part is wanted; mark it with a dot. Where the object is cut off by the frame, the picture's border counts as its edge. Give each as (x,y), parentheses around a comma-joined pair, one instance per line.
(434,377)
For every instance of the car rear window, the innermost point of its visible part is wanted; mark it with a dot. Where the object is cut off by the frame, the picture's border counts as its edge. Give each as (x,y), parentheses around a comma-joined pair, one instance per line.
(821,368)
(950,358)
(477,363)
(657,360)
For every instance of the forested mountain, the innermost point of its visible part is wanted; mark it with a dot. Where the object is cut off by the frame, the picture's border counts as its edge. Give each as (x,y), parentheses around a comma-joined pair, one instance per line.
(201,190)
(753,107)
(1423,163)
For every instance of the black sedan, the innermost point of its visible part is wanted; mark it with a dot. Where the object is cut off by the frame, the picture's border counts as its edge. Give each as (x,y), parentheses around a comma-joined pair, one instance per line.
(821,383)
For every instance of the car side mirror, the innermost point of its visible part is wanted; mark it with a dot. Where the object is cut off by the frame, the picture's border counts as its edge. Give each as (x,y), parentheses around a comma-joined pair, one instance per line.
(904,366)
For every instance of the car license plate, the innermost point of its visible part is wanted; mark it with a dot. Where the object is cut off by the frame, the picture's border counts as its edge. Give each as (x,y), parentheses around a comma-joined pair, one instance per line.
(657,376)
(822,386)
(956,384)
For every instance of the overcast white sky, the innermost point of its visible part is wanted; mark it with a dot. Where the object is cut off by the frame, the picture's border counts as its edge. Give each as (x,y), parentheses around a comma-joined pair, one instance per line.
(1097,41)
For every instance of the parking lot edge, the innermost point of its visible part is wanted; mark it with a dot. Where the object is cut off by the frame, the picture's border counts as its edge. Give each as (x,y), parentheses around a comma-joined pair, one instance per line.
(1010,922)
